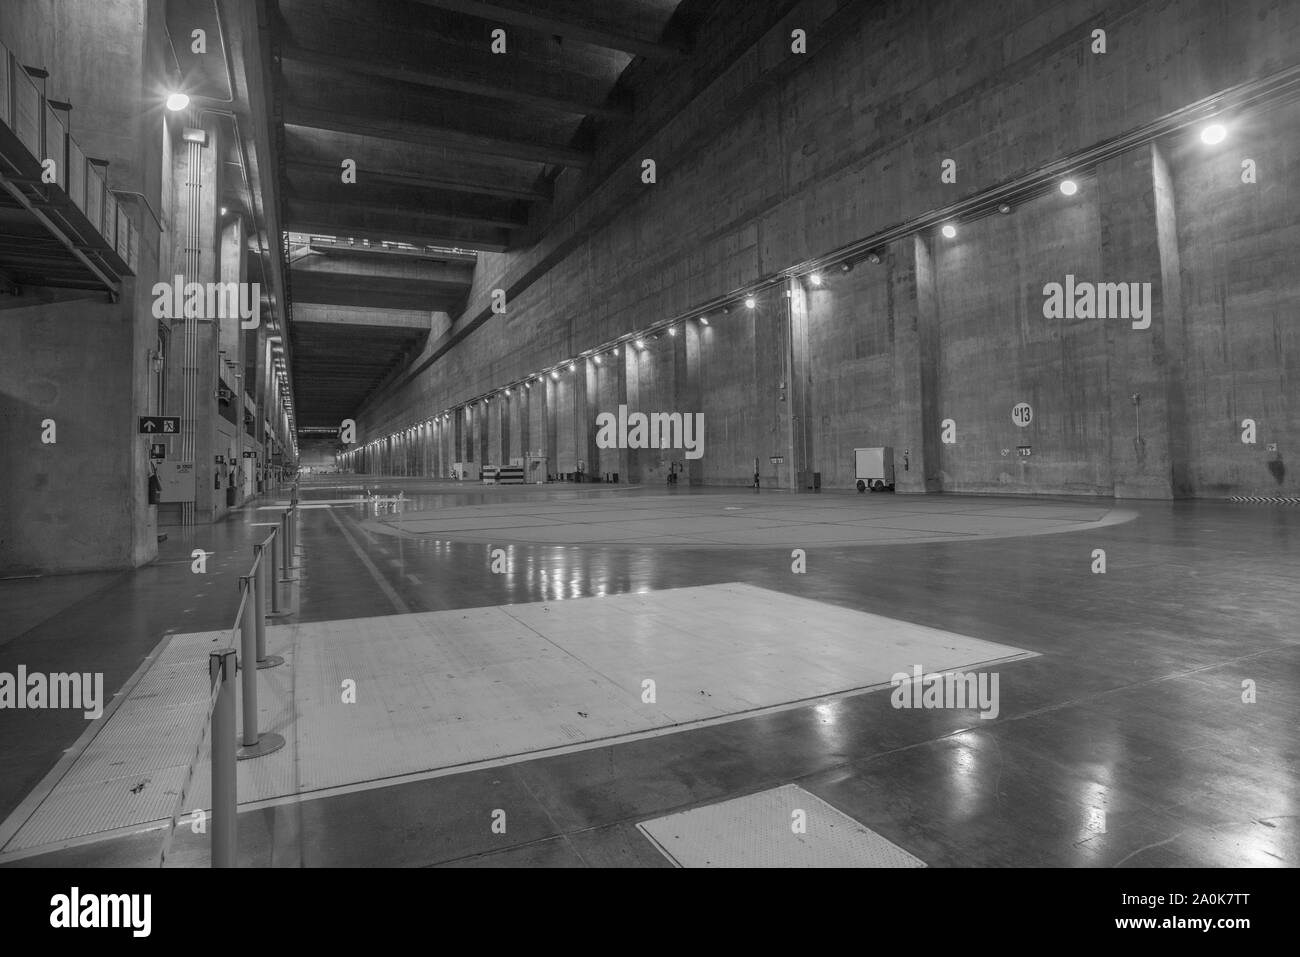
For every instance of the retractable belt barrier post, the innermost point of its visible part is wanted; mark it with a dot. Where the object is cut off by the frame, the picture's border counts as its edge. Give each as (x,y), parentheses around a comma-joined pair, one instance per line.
(273,581)
(225,844)
(263,583)
(254,744)
(219,723)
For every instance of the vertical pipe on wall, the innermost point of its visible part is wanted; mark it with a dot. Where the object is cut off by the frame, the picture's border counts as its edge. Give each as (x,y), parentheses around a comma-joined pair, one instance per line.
(190,366)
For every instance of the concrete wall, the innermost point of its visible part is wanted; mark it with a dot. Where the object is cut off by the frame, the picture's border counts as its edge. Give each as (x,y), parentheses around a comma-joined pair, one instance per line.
(82,502)
(1240,286)
(850,142)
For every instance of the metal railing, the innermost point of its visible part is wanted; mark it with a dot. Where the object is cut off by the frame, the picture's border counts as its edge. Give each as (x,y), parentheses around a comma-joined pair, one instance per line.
(258,589)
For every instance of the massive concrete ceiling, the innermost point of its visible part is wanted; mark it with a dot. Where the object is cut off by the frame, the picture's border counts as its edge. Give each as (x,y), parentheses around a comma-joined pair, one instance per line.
(456,149)
(454,145)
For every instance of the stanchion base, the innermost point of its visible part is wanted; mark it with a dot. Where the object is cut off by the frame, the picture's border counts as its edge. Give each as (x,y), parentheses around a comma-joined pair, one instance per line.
(270,661)
(268,743)
(278,614)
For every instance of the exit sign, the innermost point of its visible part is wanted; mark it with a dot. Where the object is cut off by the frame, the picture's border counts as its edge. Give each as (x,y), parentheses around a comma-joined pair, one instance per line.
(160,424)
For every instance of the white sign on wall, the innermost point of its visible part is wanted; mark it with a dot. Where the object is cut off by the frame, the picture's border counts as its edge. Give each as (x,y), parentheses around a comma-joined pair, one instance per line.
(1022,414)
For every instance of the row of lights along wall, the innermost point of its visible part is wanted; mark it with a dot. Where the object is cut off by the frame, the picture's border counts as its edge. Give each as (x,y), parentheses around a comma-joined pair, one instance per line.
(1211,134)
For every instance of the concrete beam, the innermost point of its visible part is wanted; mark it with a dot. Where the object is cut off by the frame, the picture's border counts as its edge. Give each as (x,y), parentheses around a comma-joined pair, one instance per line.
(590,30)
(411,228)
(438,137)
(534,89)
(324,314)
(341,261)
(381,202)
(484,187)
(347,290)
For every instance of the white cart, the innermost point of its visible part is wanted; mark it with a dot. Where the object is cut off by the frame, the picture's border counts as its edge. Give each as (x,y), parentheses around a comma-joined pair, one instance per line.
(875,469)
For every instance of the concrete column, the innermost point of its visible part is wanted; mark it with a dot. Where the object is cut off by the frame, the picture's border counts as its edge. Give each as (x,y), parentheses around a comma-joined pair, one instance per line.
(497,423)
(586,406)
(771,348)
(691,392)
(1139,243)
(509,412)
(522,424)
(518,424)
(630,395)
(483,421)
(916,342)
(552,442)
(230,345)
(200,363)
(446,444)
(539,424)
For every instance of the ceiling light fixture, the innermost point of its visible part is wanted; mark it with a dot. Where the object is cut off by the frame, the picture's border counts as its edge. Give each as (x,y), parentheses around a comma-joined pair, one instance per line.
(177,101)
(815,278)
(950,231)
(1069,187)
(1214,133)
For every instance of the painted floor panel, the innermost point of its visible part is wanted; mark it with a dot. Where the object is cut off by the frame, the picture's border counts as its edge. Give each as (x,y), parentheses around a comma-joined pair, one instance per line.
(783,827)
(445,689)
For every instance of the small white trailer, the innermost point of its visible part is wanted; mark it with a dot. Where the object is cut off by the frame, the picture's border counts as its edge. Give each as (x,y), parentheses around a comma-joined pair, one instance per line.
(875,468)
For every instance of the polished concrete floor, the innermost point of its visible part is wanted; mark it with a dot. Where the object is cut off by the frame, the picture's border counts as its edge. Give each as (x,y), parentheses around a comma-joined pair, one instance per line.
(1124,741)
